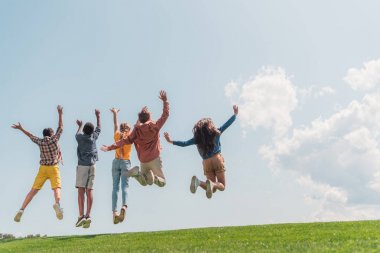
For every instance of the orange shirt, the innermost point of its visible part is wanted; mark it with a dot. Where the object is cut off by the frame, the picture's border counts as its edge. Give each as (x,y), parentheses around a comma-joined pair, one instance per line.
(124,152)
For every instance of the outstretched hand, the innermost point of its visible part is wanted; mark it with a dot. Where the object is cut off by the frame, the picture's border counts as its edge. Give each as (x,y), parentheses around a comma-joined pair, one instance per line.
(114,110)
(17,126)
(60,109)
(79,123)
(145,109)
(236,109)
(163,96)
(167,137)
(97,112)
(104,148)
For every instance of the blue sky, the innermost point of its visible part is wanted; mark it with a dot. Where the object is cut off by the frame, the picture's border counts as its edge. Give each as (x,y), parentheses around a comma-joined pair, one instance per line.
(304,75)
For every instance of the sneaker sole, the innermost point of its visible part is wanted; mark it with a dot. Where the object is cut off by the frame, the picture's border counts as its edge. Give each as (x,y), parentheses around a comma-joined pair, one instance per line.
(122,215)
(58,212)
(208,189)
(116,220)
(149,178)
(80,224)
(17,217)
(87,224)
(192,185)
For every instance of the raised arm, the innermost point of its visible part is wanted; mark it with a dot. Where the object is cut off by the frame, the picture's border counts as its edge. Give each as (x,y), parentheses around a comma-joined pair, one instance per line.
(60,116)
(80,124)
(115,123)
(97,114)
(165,111)
(230,120)
(19,127)
(58,133)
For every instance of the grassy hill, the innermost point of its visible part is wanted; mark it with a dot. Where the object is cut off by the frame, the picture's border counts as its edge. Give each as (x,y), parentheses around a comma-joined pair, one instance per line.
(360,236)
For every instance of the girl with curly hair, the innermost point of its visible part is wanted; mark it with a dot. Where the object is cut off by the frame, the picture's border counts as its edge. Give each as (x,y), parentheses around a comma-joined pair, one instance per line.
(207,138)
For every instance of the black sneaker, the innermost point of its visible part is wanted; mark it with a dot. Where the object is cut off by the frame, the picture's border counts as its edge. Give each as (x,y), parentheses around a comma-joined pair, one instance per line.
(81,221)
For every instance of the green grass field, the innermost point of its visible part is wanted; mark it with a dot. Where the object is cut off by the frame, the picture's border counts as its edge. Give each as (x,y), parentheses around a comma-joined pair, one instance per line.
(360,236)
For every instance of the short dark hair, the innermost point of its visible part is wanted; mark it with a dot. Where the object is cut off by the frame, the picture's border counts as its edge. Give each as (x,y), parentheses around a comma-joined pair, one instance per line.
(48,132)
(144,117)
(88,128)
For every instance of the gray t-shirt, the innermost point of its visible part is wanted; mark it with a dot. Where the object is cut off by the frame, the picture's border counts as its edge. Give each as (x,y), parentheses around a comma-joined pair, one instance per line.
(87,151)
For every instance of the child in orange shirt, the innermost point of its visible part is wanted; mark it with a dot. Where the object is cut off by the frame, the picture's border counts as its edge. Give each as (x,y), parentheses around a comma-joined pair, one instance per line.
(120,166)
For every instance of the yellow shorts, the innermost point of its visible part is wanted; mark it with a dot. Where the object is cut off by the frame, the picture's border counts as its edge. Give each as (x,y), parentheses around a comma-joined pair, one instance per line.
(45,173)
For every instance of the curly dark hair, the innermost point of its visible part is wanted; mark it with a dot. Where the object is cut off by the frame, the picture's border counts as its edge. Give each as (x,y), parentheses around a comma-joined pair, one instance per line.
(204,135)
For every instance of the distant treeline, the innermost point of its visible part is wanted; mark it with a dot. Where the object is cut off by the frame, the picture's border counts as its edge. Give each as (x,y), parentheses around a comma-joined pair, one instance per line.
(11,237)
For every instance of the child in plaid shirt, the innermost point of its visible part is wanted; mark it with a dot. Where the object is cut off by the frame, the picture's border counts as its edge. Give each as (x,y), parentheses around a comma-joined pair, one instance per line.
(50,155)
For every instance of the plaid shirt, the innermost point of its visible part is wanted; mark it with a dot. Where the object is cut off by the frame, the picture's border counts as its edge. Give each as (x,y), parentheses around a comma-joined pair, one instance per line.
(50,152)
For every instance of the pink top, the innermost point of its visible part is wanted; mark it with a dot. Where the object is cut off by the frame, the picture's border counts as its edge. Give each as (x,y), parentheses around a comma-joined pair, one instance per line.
(146,137)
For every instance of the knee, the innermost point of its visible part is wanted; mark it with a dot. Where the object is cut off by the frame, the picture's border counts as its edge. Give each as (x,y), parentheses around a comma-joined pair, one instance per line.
(115,187)
(34,191)
(221,189)
(115,190)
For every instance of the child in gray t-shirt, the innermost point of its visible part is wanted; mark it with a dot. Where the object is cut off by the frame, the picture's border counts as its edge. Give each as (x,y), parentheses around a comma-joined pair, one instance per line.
(85,175)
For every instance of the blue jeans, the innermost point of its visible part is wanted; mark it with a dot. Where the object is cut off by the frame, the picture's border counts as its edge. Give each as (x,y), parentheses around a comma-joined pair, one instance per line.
(119,171)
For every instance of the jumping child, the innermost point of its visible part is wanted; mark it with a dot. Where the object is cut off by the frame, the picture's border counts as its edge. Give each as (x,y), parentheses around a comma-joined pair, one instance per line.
(85,174)
(120,166)
(146,137)
(50,155)
(207,139)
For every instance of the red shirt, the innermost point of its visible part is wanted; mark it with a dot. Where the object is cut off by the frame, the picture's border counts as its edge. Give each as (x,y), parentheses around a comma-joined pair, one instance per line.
(146,137)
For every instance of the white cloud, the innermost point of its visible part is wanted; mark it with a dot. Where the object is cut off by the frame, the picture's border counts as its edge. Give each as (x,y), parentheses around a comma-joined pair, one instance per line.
(266,100)
(315,92)
(365,78)
(232,89)
(336,159)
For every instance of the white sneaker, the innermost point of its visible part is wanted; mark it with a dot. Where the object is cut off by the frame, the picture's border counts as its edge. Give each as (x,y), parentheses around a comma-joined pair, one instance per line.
(87,223)
(159,181)
(209,188)
(194,184)
(150,178)
(18,215)
(116,218)
(134,172)
(141,179)
(58,211)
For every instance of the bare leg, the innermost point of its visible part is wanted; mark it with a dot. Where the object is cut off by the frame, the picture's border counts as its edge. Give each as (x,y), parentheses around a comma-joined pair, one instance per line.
(211,177)
(57,194)
(89,201)
(220,185)
(81,200)
(28,198)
